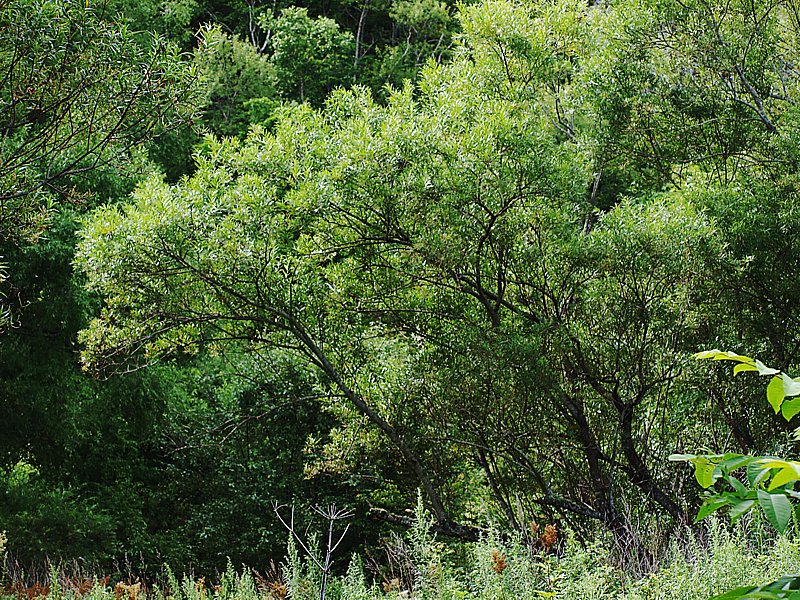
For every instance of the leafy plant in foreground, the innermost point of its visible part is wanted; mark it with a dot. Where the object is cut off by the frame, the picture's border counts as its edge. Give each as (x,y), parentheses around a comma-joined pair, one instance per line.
(769,481)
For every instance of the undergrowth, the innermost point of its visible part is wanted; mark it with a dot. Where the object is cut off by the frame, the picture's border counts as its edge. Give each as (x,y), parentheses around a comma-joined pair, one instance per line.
(424,568)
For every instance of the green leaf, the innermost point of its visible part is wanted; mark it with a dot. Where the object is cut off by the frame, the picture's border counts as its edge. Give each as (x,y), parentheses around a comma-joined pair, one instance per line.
(791,387)
(775,393)
(705,354)
(720,355)
(779,388)
(740,507)
(682,457)
(737,485)
(757,471)
(770,462)
(776,590)
(764,369)
(776,508)
(735,594)
(744,367)
(790,408)
(731,462)
(786,475)
(711,505)
(704,471)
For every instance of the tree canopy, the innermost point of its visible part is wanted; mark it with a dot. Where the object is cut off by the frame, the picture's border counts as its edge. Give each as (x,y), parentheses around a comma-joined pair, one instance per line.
(501,265)
(468,251)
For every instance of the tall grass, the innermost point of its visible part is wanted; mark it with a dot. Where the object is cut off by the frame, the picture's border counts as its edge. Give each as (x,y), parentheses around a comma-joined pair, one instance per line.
(424,568)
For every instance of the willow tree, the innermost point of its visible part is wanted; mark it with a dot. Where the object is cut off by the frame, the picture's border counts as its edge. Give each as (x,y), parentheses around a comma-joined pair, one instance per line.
(478,272)
(78,93)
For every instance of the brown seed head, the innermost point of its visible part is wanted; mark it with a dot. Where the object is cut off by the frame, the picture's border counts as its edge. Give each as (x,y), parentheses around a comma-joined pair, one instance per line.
(499,563)
(549,537)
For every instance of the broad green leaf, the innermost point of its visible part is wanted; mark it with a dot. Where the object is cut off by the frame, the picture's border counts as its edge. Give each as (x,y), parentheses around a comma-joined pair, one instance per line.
(779,388)
(704,472)
(770,462)
(720,355)
(731,462)
(711,505)
(740,508)
(756,471)
(737,485)
(744,367)
(755,593)
(791,387)
(776,508)
(784,476)
(734,356)
(790,408)
(764,369)
(705,354)
(775,589)
(682,457)
(735,594)
(775,393)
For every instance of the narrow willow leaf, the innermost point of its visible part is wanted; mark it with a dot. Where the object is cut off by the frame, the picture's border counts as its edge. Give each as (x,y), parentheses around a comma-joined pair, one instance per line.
(776,508)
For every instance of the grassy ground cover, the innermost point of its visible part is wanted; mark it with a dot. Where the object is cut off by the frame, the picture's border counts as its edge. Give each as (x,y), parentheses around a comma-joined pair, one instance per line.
(417,565)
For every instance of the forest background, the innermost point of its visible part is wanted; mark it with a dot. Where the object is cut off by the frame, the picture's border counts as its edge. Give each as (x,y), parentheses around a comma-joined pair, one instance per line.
(255,253)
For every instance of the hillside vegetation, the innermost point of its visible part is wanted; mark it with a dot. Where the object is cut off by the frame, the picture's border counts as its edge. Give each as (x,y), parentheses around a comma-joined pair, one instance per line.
(258,257)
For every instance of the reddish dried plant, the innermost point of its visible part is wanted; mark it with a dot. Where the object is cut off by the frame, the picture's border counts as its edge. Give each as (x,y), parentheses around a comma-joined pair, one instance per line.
(534,530)
(125,591)
(499,563)
(84,585)
(549,537)
(272,582)
(31,592)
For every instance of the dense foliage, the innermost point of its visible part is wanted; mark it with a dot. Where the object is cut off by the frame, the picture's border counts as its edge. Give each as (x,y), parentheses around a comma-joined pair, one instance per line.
(463,251)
